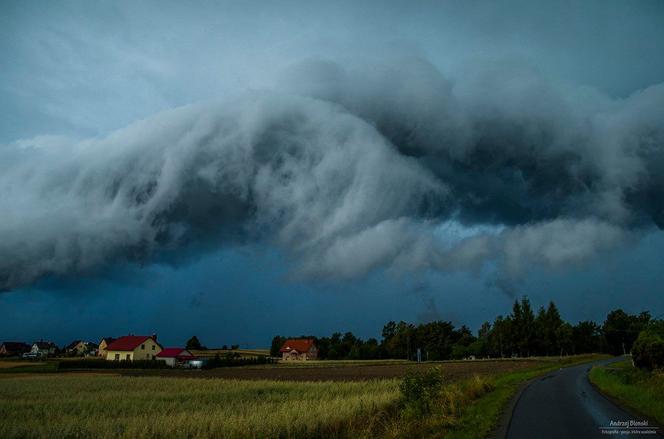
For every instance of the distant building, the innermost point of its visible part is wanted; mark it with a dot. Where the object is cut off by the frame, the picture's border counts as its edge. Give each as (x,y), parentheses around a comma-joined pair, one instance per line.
(43,348)
(101,349)
(13,348)
(299,349)
(133,348)
(175,356)
(81,348)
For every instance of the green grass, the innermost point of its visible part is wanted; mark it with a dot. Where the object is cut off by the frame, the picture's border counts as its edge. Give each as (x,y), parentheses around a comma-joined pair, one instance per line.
(100,406)
(482,416)
(470,408)
(637,389)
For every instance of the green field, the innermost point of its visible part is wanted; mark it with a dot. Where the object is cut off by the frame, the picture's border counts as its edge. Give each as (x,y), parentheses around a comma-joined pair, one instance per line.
(639,390)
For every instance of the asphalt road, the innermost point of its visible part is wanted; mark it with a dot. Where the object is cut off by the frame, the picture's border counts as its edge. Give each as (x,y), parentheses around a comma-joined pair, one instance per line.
(563,404)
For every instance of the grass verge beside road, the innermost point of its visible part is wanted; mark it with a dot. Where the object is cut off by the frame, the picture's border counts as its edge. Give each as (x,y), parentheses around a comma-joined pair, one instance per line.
(475,413)
(639,390)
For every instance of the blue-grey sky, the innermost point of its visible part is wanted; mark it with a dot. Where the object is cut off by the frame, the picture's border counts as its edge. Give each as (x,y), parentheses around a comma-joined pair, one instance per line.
(238,170)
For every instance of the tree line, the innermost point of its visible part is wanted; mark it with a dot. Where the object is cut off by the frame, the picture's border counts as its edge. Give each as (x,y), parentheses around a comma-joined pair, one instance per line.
(522,333)
(194,344)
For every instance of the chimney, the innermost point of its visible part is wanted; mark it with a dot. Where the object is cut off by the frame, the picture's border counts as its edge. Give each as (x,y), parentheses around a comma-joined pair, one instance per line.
(154,337)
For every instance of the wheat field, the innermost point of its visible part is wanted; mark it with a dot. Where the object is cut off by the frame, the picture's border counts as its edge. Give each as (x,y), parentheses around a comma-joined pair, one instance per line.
(130,407)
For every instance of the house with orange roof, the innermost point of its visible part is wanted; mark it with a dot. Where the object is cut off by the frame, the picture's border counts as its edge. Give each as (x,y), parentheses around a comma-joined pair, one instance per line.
(299,349)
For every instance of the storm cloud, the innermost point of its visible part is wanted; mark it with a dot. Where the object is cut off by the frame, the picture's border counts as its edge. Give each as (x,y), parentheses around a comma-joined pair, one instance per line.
(348,168)
(346,138)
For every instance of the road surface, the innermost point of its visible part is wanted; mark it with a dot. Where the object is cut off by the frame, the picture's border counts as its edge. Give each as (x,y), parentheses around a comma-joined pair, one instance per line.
(563,404)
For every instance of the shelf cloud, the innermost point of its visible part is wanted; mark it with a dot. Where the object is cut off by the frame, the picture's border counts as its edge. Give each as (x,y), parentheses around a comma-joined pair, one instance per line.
(348,168)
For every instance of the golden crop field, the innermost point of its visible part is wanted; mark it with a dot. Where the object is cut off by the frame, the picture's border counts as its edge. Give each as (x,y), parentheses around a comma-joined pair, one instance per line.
(130,407)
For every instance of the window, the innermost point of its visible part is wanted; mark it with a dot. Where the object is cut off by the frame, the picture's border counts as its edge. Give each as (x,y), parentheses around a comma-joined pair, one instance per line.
(117,357)
(143,346)
(128,357)
(153,347)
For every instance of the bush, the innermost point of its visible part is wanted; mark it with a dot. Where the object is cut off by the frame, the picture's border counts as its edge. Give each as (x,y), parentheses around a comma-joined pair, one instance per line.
(648,349)
(420,390)
(429,405)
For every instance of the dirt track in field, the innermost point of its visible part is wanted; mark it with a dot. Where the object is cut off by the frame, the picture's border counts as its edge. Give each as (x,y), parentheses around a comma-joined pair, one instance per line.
(452,370)
(9,364)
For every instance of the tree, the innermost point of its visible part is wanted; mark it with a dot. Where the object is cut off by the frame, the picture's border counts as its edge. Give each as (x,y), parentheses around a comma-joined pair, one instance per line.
(389,330)
(547,323)
(500,338)
(434,339)
(621,330)
(516,326)
(480,347)
(543,347)
(523,326)
(564,337)
(527,339)
(193,343)
(586,337)
(277,342)
(463,340)
(484,331)
(648,349)
(369,350)
(397,339)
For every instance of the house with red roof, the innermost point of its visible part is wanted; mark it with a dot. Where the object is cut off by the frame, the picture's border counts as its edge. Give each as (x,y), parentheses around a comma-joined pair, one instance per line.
(299,349)
(133,348)
(175,356)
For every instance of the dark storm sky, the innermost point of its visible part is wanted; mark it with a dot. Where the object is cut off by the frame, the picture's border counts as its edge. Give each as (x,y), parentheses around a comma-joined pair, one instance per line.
(237,170)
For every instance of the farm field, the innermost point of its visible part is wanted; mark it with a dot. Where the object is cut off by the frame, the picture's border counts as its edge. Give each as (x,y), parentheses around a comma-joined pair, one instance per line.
(348,401)
(223,352)
(72,406)
(10,364)
(361,371)
(361,400)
